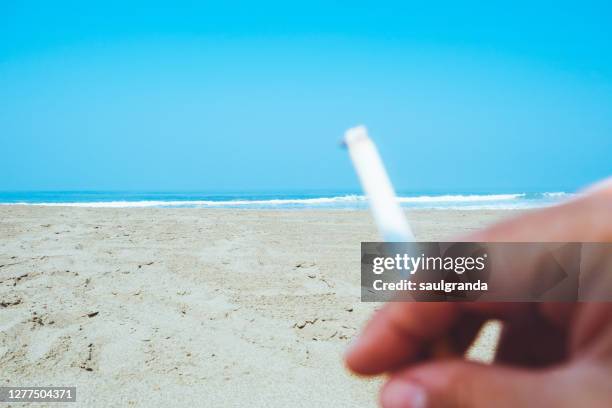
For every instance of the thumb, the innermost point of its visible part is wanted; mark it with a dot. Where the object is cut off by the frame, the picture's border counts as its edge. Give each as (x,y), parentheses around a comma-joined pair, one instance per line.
(465,384)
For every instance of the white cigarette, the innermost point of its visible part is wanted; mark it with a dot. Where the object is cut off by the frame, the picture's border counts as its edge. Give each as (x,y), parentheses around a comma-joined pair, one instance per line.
(388,215)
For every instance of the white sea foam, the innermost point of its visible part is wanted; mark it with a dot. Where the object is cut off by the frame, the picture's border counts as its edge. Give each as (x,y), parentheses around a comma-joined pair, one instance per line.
(556,194)
(457,201)
(201,203)
(460,198)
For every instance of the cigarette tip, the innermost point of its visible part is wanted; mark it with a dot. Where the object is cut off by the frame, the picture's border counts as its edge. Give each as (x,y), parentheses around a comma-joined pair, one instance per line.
(355,134)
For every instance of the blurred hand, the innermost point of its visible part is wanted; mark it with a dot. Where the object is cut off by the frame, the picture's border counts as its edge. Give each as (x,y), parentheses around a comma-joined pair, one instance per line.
(550,354)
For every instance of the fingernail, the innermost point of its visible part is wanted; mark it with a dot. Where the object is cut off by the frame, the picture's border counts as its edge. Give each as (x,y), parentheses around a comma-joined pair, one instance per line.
(402,394)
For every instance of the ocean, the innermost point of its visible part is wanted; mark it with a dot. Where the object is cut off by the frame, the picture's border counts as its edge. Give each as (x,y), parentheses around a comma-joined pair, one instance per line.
(310,200)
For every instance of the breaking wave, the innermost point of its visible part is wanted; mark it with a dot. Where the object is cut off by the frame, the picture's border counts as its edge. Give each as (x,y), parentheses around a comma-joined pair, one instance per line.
(349,201)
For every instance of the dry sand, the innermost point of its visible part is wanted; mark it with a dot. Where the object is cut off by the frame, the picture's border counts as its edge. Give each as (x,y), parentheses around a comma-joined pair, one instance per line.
(177,307)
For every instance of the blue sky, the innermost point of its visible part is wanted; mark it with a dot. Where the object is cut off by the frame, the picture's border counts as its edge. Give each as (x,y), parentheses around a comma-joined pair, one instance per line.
(255,95)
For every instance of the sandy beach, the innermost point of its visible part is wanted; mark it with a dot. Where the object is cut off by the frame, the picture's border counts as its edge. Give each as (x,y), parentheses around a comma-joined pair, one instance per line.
(201,307)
